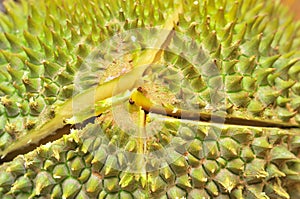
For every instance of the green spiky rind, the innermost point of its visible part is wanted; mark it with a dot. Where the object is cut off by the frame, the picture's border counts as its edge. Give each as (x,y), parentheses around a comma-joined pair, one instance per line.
(232,64)
(256,66)
(43,46)
(214,160)
(228,155)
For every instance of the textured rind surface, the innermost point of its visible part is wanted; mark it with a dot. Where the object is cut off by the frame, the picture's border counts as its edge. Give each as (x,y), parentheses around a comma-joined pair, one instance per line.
(197,160)
(44,45)
(238,58)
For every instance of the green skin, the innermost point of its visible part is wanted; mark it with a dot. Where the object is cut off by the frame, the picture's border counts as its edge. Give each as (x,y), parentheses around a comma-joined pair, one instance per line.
(218,64)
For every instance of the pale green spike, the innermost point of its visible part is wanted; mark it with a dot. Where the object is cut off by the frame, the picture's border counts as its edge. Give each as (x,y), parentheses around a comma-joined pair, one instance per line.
(285,115)
(211,149)
(267,62)
(226,180)
(31,40)
(274,172)
(256,190)
(17,167)
(281,153)
(199,177)
(10,105)
(76,166)
(22,184)
(167,174)
(184,182)
(267,95)
(178,164)
(14,42)
(239,99)
(33,56)
(43,183)
(32,84)
(260,145)
(35,70)
(211,41)
(275,190)
(6,88)
(82,195)
(33,27)
(4,139)
(156,183)
(6,179)
(70,188)
(61,56)
(126,180)
(237,193)
(111,184)
(36,105)
(236,166)
(255,171)
(175,192)
(84,176)
(111,166)
(94,184)
(56,39)
(14,73)
(212,188)
(211,167)
(233,83)
(60,171)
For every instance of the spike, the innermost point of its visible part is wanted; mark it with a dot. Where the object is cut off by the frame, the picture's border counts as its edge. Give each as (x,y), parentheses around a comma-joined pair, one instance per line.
(31,40)
(33,56)
(43,183)
(13,41)
(70,188)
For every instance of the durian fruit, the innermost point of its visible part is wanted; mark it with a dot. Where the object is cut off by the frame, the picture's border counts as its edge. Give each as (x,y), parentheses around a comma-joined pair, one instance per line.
(45,45)
(161,131)
(179,159)
(227,65)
